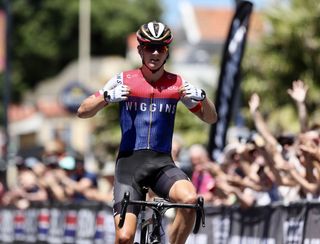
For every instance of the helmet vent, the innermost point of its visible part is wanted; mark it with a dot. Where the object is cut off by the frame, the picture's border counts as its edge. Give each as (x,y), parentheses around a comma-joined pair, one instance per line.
(159,27)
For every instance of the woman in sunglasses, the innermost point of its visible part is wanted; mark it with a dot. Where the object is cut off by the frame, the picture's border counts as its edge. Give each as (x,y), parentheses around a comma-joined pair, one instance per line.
(148,98)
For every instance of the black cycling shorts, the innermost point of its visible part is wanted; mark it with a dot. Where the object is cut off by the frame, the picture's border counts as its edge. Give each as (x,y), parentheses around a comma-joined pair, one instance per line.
(144,168)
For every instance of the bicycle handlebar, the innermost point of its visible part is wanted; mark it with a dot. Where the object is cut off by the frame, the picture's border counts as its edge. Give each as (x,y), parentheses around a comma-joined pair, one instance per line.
(124,205)
(162,204)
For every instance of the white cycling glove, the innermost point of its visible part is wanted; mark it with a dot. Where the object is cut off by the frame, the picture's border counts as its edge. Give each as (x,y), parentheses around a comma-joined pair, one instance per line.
(194,93)
(117,94)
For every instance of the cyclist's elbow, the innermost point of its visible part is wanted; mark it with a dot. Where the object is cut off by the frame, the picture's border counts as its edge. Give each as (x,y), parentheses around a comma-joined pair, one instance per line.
(84,113)
(213,119)
(210,118)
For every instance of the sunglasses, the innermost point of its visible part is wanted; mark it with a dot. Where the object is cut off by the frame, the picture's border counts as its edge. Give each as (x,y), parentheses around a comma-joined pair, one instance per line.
(158,48)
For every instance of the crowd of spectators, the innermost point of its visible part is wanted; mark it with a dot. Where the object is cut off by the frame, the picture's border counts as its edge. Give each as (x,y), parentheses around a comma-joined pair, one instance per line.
(56,176)
(263,168)
(255,170)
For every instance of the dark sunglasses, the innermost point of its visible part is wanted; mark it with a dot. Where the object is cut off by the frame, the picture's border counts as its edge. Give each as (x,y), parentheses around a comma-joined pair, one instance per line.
(158,48)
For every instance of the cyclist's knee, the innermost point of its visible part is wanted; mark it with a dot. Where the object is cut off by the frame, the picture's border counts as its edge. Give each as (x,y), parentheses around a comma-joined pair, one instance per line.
(126,234)
(183,192)
(124,237)
(188,198)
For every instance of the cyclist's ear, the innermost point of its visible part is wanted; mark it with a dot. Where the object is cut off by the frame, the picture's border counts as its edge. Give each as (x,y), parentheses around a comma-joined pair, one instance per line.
(139,47)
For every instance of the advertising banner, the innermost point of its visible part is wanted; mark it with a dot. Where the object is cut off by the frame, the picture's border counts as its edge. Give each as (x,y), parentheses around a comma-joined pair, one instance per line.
(294,224)
(229,78)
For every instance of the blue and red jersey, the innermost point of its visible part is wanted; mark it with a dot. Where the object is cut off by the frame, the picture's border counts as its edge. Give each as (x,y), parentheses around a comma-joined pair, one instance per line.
(147,117)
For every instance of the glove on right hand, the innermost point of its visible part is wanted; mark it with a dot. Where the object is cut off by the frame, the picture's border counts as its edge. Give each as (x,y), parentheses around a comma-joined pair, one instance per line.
(194,93)
(117,94)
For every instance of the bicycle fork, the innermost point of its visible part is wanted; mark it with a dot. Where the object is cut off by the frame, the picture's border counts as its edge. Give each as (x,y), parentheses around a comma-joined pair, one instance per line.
(143,229)
(155,236)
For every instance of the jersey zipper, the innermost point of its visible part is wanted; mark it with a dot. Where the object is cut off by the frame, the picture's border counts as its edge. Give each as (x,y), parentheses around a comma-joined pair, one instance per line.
(150,117)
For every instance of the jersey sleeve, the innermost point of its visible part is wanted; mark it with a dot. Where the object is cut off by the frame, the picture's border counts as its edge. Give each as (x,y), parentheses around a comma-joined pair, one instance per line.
(189,103)
(113,82)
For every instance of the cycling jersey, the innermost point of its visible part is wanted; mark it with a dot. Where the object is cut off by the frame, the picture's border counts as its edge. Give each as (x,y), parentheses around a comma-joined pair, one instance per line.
(147,117)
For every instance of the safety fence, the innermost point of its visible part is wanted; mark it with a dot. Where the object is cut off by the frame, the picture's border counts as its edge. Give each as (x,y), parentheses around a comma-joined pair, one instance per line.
(93,223)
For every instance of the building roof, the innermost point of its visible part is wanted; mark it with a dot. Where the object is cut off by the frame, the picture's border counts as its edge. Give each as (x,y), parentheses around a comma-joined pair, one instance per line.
(213,23)
(48,109)
(46,100)
(51,108)
(20,112)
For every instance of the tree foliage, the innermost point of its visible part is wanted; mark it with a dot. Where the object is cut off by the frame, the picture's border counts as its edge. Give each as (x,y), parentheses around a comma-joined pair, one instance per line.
(288,51)
(45,34)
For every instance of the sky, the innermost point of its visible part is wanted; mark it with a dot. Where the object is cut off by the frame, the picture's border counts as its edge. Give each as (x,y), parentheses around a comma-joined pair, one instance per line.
(171,13)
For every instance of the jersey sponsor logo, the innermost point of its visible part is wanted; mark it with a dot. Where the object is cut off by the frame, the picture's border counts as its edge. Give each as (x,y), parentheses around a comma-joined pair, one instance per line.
(130,76)
(169,88)
(152,107)
(119,79)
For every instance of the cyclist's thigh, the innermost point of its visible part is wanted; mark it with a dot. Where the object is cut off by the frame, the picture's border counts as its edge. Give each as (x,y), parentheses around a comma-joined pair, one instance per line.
(166,178)
(123,183)
(119,190)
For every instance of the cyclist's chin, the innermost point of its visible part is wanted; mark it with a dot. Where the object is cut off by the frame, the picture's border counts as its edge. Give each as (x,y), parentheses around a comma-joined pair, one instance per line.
(153,65)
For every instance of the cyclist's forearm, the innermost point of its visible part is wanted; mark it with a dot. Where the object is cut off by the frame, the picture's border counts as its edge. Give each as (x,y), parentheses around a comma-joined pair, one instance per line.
(90,106)
(208,112)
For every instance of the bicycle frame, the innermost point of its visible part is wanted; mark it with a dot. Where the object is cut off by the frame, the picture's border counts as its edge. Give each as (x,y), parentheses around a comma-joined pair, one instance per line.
(159,207)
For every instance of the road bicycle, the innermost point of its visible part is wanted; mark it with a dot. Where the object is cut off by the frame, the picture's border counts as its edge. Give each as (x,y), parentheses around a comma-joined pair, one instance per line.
(151,227)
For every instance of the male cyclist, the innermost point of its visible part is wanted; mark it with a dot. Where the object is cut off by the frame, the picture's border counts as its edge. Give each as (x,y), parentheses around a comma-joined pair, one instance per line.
(148,99)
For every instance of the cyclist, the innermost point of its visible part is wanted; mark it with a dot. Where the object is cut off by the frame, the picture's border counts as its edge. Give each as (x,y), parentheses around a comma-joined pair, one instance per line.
(148,98)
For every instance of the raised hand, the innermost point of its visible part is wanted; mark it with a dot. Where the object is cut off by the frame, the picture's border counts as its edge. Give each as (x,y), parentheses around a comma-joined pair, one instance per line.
(254,102)
(298,91)
(117,94)
(192,92)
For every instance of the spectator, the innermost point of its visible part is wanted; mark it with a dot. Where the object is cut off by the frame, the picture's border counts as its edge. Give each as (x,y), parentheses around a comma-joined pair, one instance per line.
(201,178)
(2,192)
(104,192)
(298,93)
(242,180)
(177,153)
(49,174)
(27,190)
(273,152)
(265,192)
(308,144)
(227,194)
(77,181)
